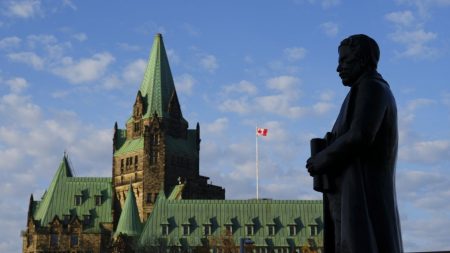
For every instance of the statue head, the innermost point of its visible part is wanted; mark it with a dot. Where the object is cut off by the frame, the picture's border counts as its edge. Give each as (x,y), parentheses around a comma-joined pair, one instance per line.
(357,54)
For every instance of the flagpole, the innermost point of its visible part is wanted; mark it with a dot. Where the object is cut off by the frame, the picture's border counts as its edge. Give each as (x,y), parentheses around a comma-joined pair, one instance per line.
(257,169)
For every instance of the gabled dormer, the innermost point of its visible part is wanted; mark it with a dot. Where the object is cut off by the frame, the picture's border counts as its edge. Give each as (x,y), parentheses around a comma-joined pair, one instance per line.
(138,110)
(138,107)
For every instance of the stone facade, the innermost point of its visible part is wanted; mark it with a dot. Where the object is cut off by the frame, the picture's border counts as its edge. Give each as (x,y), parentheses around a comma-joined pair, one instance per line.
(68,235)
(155,151)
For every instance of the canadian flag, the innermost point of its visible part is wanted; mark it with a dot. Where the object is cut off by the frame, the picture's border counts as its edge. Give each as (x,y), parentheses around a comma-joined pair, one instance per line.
(261,131)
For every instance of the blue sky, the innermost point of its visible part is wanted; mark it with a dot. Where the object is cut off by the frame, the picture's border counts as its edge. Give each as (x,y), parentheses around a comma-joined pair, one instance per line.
(70,69)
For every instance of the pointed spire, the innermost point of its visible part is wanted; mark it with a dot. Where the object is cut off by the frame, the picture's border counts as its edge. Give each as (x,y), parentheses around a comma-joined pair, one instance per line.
(157,86)
(64,171)
(129,221)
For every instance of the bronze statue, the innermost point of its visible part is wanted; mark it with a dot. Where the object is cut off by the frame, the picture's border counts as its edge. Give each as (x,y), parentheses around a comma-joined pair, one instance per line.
(358,158)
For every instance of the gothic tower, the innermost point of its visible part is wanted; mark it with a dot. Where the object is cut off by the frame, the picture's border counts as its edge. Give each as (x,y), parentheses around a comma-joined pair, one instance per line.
(156,150)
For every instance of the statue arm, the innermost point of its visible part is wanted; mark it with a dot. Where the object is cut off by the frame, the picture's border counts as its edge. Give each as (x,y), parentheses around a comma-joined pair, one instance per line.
(369,107)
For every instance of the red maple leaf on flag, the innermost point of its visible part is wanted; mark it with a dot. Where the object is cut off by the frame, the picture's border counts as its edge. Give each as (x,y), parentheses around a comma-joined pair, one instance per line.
(262,131)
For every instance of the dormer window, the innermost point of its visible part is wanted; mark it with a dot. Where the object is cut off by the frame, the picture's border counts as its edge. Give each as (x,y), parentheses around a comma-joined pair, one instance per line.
(165,229)
(229,229)
(292,230)
(249,229)
(271,229)
(186,229)
(313,229)
(87,219)
(78,200)
(207,229)
(98,200)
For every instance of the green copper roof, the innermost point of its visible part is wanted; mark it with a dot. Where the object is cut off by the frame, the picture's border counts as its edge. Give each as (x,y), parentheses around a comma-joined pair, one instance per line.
(176,192)
(157,86)
(59,199)
(187,147)
(261,213)
(130,146)
(129,221)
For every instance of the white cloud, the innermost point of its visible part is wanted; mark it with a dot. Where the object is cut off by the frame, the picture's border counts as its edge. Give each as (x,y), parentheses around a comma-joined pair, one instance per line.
(209,62)
(417,103)
(42,39)
(24,8)
(110,82)
(185,83)
(174,58)
(295,53)
(131,75)
(404,18)
(84,70)
(330,29)
(217,127)
(17,84)
(426,151)
(282,102)
(134,71)
(10,42)
(80,36)
(320,108)
(424,7)
(240,105)
(243,86)
(128,47)
(69,4)
(327,95)
(414,37)
(32,146)
(281,105)
(53,51)
(411,34)
(415,43)
(408,114)
(29,58)
(285,84)
(17,109)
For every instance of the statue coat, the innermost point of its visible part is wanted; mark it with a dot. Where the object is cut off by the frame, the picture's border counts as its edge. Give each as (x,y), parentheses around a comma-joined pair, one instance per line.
(360,161)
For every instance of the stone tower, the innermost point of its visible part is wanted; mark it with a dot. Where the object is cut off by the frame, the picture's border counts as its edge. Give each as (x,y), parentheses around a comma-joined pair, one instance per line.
(156,150)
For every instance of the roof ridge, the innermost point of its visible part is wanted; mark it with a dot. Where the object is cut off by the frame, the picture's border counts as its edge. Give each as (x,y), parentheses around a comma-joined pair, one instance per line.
(129,221)
(157,86)
(64,171)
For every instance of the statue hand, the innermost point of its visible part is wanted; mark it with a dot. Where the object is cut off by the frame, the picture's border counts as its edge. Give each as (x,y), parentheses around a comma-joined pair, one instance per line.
(313,165)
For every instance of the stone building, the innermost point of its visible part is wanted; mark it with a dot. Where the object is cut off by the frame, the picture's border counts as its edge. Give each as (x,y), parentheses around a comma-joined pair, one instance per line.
(274,226)
(156,197)
(156,149)
(73,215)
(154,152)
